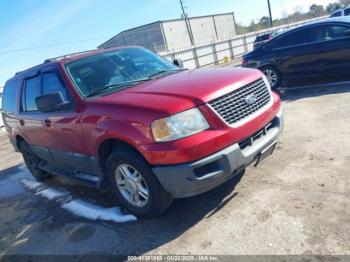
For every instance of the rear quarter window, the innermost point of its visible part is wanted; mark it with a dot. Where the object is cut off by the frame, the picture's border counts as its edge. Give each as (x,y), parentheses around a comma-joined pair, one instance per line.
(9,103)
(336,14)
(262,38)
(31,91)
(347,11)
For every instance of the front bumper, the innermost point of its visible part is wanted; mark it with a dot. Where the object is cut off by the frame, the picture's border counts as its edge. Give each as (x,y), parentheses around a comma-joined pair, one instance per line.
(193,178)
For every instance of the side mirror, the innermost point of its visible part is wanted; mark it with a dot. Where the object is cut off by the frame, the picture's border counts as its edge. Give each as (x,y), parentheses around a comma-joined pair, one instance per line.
(178,63)
(51,102)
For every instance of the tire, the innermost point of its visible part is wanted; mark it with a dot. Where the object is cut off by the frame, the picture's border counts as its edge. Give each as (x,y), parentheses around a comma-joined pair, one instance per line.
(273,75)
(130,177)
(32,162)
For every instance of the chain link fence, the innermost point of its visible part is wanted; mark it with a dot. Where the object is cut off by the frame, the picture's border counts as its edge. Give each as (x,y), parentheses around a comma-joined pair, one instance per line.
(222,52)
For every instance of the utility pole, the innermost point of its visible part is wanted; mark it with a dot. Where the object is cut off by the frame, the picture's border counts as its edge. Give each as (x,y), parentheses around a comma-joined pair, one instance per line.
(188,25)
(268,3)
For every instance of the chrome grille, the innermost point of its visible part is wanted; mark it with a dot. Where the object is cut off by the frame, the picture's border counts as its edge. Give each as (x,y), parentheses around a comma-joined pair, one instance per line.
(233,107)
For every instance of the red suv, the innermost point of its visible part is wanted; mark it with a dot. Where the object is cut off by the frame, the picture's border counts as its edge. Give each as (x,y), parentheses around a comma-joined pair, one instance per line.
(130,120)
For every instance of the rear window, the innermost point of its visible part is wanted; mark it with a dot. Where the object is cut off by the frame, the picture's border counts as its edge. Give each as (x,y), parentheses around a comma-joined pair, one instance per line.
(30,92)
(262,38)
(347,11)
(336,14)
(9,96)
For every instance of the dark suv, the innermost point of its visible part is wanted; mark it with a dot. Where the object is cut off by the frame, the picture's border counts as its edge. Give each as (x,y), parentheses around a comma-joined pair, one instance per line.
(130,120)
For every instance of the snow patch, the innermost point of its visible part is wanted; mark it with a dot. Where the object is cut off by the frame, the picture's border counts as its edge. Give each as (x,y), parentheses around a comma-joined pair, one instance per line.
(79,207)
(50,193)
(31,185)
(94,212)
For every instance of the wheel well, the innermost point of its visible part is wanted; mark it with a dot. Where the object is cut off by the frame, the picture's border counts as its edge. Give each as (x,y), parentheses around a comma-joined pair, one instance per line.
(107,147)
(19,139)
(265,66)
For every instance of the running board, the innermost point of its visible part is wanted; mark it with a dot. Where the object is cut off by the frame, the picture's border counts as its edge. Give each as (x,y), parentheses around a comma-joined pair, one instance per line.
(87,179)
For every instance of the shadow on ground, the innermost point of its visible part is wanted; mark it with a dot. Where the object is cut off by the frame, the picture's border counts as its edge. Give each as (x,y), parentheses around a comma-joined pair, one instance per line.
(296,94)
(134,238)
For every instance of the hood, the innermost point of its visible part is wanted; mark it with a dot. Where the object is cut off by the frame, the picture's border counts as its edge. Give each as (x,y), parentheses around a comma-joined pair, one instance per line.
(183,90)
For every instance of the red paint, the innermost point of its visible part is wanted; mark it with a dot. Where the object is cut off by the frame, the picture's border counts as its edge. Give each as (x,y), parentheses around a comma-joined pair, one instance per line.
(128,114)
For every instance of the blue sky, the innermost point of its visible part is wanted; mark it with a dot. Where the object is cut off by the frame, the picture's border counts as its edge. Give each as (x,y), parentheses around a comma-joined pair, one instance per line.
(84,24)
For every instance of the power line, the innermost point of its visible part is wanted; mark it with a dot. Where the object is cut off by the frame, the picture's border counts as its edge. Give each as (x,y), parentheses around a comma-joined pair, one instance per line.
(188,24)
(50,45)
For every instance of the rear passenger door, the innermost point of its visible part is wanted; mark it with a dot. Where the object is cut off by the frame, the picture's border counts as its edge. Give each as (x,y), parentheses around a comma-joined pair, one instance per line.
(30,119)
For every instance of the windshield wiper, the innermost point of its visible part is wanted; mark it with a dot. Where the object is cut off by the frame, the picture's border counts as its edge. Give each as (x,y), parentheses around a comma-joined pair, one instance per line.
(161,72)
(125,85)
(133,82)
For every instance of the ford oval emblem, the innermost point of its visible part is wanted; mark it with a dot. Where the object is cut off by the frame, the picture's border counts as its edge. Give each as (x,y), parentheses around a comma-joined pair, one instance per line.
(250,99)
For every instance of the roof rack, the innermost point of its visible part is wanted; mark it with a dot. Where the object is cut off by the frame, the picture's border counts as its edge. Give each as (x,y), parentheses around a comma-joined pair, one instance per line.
(68,55)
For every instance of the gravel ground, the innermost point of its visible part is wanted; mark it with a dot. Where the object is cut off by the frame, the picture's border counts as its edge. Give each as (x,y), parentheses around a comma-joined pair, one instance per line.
(296,202)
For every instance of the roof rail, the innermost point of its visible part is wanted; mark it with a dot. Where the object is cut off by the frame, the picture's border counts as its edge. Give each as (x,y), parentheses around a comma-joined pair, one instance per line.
(28,69)
(67,55)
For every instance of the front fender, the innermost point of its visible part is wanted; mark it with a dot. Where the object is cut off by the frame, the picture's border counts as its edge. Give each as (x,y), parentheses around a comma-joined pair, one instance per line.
(132,133)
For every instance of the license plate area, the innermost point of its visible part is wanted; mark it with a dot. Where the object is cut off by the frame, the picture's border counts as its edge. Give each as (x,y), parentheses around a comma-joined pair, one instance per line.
(265,153)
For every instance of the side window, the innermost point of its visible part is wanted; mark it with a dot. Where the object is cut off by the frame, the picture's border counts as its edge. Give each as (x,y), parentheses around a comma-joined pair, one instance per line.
(336,31)
(52,84)
(9,102)
(31,91)
(294,38)
(347,11)
(311,35)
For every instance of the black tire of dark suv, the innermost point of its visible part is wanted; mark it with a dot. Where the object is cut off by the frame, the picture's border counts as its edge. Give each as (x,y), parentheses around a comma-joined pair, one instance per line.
(138,177)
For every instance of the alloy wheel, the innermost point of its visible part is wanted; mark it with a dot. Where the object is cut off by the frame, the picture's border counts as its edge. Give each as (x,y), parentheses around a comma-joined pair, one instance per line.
(132,185)
(272,76)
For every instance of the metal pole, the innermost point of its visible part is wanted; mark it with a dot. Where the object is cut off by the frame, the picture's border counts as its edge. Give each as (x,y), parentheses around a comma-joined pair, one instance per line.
(268,3)
(188,25)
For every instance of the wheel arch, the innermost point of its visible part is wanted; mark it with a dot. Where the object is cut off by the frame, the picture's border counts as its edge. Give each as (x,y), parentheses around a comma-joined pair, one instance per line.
(280,81)
(18,140)
(269,65)
(107,146)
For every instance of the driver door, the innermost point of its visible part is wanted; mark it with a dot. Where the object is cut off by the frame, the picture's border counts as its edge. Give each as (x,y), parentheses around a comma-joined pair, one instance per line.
(66,141)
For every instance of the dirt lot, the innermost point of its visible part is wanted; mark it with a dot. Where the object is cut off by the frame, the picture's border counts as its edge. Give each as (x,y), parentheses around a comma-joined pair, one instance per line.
(296,202)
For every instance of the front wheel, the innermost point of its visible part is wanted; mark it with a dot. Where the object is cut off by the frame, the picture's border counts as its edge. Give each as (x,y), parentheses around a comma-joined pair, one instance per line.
(273,75)
(135,186)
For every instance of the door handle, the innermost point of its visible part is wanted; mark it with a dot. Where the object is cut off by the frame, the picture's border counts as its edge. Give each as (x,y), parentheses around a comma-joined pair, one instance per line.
(21,122)
(47,123)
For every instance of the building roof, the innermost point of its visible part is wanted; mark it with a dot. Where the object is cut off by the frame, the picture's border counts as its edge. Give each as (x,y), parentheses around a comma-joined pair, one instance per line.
(161,21)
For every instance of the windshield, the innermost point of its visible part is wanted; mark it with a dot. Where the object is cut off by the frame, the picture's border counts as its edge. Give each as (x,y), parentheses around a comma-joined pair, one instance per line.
(116,70)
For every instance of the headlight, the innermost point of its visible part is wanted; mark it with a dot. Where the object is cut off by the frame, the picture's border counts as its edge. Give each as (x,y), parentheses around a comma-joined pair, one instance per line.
(267,82)
(178,126)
